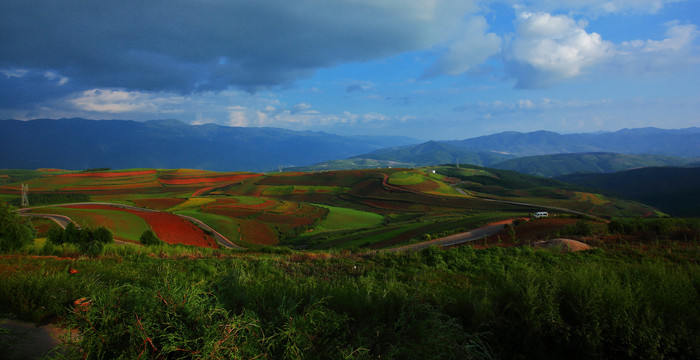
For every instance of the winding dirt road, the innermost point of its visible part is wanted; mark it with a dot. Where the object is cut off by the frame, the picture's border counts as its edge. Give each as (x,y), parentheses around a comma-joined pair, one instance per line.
(456,239)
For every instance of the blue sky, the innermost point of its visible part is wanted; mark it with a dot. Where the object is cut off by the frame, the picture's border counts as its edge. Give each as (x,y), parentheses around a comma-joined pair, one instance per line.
(427,69)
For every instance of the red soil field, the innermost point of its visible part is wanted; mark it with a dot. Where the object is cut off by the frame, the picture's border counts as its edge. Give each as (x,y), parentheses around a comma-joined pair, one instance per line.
(206,180)
(168,227)
(109,174)
(159,204)
(257,233)
(111,187)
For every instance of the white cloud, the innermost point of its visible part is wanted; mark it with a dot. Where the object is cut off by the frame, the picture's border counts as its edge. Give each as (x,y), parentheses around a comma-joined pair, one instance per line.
(472,47)
(16,73)
(120,101)
(670,54)
(300,108)
(595,7)
(549,48)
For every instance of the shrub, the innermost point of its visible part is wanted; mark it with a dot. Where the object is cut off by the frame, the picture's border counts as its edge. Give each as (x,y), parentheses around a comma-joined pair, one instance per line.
(15,232)
(149,238)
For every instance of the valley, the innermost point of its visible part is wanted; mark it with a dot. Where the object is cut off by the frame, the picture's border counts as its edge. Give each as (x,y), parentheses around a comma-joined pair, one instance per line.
(384,207)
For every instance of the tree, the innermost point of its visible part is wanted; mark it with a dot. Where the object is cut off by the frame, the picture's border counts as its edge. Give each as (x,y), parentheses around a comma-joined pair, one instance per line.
(15,232)
(149,238)
(103,235)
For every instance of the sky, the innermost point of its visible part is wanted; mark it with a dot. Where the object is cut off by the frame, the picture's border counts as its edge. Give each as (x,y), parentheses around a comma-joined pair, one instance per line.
(427,69)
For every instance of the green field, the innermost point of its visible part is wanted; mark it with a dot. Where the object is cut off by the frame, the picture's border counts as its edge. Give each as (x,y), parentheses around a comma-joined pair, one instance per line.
(406,178)
(226,226)
(123,225)
(343,218)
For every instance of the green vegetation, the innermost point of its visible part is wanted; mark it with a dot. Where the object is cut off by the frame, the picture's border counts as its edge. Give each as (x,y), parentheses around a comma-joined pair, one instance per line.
(88,241)
(406,178)
(150,238)
(343,218)
(677,229)
(562,164)
(673,190)
(635,296)
(124,225)
(15,231)
(456,304)
(36,199)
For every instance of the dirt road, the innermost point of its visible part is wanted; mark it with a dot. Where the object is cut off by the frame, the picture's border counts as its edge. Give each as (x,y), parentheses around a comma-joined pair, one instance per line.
(461,238)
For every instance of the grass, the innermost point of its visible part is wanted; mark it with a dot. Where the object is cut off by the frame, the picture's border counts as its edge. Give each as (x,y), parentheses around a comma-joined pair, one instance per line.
(444,304)
(406,178)
(344,218)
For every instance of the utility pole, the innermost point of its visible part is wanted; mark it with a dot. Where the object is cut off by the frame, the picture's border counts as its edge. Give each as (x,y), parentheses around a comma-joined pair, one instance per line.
(25,193)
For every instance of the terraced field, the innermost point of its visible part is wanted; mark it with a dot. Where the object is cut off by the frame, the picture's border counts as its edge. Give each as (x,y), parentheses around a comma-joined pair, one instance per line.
(377,207)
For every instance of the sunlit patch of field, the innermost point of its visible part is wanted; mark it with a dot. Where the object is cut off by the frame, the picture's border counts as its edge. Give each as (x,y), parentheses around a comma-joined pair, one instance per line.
(123,225)
(194,202)
(595,199)
(406,178)
(343,218)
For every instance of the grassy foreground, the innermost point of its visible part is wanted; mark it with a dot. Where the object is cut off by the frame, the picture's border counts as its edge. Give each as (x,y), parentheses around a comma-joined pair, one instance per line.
(185,303)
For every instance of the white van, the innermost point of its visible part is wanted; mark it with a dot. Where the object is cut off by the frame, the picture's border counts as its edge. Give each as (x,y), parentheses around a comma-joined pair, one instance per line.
(541,214)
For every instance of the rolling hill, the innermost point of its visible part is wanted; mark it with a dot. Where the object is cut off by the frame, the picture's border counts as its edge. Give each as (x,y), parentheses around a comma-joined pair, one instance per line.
(673,190)
(80,144)
(562,164)
(680,142)
(498,148)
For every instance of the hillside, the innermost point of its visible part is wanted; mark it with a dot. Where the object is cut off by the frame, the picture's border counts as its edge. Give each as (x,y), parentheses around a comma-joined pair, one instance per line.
(498,148)
(80,144)
(673,190)
(562,164)
(681,142)
(433,153)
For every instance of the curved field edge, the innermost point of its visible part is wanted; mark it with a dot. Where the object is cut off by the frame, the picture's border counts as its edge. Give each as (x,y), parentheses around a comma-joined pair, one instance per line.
(123,225)
(224,225)
(340,218)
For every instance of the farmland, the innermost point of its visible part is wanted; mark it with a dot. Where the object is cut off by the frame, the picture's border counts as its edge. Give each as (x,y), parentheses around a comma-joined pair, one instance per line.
(317,278)
(324,209)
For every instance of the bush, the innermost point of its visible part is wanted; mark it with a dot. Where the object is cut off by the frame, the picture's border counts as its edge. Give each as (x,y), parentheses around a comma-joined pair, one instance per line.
(149,238)
(15,232)
(89,241)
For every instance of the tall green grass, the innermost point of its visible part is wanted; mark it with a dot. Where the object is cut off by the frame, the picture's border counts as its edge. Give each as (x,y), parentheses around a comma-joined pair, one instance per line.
(433,304)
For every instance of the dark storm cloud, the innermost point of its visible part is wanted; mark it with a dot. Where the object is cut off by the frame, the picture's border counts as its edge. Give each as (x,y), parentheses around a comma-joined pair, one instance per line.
(186,46)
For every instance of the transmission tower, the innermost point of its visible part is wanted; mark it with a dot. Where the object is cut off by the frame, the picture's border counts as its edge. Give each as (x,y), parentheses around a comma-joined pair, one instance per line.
(25,198)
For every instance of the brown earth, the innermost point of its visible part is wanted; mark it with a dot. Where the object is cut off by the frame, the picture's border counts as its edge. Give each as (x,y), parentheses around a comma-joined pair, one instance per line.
(565,245)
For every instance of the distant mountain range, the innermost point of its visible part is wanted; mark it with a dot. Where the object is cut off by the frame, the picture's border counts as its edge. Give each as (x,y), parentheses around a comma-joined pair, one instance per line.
(80,144)
(118,144)
(493,149)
